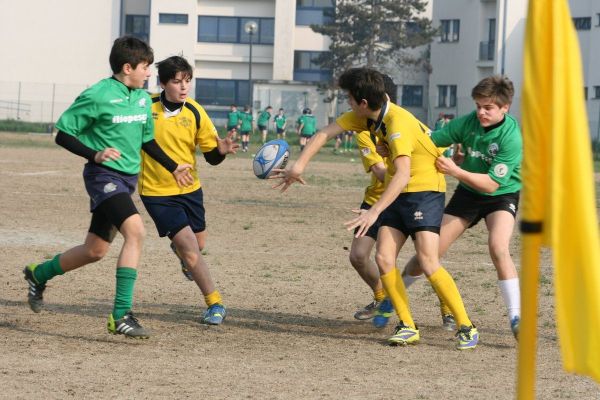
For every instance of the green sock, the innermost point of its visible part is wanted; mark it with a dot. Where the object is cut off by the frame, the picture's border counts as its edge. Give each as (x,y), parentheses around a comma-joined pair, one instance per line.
(47,270)
(124,293)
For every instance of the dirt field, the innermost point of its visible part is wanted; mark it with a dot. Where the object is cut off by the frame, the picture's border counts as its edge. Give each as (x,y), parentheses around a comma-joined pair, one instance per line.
(282,266)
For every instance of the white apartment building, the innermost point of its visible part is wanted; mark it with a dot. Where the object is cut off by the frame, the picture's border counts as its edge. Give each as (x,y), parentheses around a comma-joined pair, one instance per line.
(484,37)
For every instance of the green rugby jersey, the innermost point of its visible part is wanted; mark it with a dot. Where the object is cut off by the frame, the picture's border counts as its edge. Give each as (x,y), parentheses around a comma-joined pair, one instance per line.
(309,124)
(109,114)
(233,118)
(263,118)
(280,121)
(246,121)
(497,153)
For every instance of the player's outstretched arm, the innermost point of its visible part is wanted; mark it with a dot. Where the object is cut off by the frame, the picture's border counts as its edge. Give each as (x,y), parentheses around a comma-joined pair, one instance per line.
(227,145)
(293,173)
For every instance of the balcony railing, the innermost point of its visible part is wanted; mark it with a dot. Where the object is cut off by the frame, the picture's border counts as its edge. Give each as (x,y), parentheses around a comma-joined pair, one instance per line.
(487,50)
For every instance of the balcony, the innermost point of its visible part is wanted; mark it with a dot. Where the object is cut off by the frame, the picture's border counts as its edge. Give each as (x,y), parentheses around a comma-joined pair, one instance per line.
(487,51)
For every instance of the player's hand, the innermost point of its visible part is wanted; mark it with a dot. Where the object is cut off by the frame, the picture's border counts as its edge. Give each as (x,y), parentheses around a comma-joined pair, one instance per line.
(183,175)
(227,145)
(446,166)
(364,220)
(458,156)
(288,176)
(107,154)
(382,149)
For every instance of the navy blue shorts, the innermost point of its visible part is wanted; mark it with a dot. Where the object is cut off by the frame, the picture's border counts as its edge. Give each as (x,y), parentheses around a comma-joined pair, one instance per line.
(262,128)
(232,127)
(306,135)
(372,232)
(173,213)
(473,206)
(102,183)
(244,133)
(280,130)
(415,211)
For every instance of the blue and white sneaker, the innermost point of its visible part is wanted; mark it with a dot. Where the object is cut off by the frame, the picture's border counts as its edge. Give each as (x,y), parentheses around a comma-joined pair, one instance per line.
(448,322)
(468,337)
(383,313)
(514,326)
(404,335)
(214,315)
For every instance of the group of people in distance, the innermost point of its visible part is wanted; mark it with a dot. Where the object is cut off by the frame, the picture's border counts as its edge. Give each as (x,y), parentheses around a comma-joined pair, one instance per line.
(407,195)
(132,139)
(242,122)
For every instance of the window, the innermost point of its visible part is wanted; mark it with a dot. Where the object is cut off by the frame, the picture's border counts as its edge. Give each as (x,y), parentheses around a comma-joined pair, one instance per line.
(307,70)
(446,95)
(138,26)
(231,30)
(222,92)
(173,19)
(314,12)
(596,92)
(412,96)
(450,30)
(583,23)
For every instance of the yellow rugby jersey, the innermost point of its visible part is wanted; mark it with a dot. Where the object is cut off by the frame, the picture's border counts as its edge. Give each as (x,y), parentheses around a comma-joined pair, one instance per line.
(405,136)
(178,134)
(369,156)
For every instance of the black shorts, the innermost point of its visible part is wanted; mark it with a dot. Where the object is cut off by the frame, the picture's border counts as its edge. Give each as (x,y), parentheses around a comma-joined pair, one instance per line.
(414,212)
(280,130)
(473,206)
(306,135)
(232,127)
(109,215)
(173,213)
(262,128)
(243,133)
(372,232)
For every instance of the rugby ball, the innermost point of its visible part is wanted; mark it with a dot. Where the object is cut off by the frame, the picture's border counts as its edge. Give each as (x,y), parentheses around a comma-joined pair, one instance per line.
(271,155)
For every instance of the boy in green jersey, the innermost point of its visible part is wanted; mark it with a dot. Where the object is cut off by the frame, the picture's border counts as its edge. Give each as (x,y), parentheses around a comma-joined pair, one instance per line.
(246,127)
(233,120)
(108,124)
(489,182)
(307,126)
(263,122)
(280,123)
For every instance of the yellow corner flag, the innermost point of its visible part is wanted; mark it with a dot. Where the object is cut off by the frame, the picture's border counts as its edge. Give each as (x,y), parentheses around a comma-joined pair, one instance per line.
(558,206)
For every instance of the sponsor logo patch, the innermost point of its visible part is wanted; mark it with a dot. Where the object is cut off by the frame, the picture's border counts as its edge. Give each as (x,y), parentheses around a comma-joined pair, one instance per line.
(500,170)
(365,151)
(418,215)
(142,103)
(113,101)
(395,136)
(493,149)
(110,187)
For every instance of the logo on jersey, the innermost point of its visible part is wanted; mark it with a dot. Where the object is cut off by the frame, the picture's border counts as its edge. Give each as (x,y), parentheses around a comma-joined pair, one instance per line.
(113,101)
(500,170)
(478,154)
(418,215)
(493,149)
(142,103)
(185,122)
(128,119)
(110,187)
(365,151)
(154,115)
(395,136)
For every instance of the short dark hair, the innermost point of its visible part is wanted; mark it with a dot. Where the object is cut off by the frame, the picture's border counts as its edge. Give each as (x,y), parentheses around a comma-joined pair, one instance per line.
(169,67)
(390,88)
(364,83)
(498,88)
(129,50)
(281,109)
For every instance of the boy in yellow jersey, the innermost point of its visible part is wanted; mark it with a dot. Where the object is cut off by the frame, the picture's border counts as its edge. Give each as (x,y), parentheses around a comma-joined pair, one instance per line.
(181,125)
(411,205)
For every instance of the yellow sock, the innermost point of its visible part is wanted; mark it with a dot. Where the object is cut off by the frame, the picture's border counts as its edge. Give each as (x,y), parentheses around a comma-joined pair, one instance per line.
(379,295)
(446,289)
(391,284)
(444,309)
(213,298)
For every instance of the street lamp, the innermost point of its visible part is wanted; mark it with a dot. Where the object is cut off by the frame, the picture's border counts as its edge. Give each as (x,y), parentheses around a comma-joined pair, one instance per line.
(251,27)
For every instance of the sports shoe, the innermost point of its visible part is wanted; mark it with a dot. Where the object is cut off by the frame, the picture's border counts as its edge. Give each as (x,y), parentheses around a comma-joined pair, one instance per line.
(383,313)
(468,336)
(514,326)
(404,335)
(35,296)
(368,311)
(448,322)
(128,326)
(215,314)
(186,272)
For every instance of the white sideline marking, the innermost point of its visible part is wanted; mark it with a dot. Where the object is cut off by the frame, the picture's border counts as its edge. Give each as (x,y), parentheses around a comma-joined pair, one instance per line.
(36,173)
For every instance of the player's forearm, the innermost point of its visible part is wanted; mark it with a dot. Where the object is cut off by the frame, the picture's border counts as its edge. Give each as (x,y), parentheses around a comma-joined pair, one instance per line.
(156,152)
(392,191)
(480,182)
(74,145)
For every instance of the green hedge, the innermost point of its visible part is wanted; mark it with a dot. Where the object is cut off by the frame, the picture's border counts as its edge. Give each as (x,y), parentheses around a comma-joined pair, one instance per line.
(13,125)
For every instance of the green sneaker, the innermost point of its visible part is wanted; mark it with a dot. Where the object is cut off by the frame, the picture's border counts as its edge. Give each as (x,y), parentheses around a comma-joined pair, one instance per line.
(128,326)
(35,296)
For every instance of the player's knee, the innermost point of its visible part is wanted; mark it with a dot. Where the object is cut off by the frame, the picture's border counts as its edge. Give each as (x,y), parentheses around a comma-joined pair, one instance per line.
(499,253)
(358,259)
(96,253)
(384,260)
(190,258)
